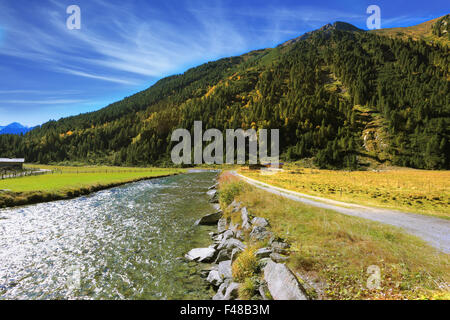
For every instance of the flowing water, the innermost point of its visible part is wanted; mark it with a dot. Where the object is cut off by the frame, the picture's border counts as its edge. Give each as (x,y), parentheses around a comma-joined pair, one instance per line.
(121,243)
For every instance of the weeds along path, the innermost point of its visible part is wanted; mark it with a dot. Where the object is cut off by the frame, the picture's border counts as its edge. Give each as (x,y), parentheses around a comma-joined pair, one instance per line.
(436,231)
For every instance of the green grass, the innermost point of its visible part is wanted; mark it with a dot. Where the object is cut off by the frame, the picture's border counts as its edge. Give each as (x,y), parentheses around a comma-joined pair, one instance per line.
(67,182)
(335,250)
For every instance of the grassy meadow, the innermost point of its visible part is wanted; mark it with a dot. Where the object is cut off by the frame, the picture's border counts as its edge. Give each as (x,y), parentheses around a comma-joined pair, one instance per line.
(331,252)
(66,182)
(419,191)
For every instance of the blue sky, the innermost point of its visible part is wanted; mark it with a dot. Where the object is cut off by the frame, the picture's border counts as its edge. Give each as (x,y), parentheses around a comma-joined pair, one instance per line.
(48,71)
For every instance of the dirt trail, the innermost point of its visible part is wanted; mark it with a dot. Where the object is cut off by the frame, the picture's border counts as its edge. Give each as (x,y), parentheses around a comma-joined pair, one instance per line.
(435,231)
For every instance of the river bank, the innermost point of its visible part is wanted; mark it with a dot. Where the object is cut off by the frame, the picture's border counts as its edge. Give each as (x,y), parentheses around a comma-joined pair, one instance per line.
(53,187)
(246,261)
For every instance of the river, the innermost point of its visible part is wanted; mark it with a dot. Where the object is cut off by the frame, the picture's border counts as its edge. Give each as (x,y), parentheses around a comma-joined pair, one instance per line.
(121,243)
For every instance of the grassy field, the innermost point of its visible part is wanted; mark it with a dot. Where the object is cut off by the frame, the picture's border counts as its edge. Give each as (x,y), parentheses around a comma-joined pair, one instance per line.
(67,182)
(333,252)
(420,191)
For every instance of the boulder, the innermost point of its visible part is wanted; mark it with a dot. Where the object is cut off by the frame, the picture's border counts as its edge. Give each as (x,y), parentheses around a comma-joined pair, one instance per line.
(278,257)
(260,222)
(220,295)
(263,253)
(245,219)
(240,235)
(214,186)
(282,283)
(280,247)
(216,206)
(209,219)
(225,269)
(211,193)
(231,243)
(223,255)
(234,206)
(201,254)
(214,278)
(259,234)
(222,225)
(232,291)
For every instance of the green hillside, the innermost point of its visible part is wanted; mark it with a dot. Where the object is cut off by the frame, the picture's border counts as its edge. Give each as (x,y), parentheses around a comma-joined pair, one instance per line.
(338,96)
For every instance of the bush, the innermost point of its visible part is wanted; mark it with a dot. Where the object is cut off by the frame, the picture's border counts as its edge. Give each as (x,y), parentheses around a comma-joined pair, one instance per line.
(246,265)
(229,191)
(248,289)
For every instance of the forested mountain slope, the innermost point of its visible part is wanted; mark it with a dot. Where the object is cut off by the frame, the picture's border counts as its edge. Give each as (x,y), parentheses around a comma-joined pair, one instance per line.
(337,96)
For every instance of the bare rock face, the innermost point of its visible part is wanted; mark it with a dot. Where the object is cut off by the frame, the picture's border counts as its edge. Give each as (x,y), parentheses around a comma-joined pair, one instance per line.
(210,219)
(282,283)
(201,254)
(260,222)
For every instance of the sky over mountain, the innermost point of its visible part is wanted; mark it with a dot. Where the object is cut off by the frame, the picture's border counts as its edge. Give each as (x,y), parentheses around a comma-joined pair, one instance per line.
(49,71)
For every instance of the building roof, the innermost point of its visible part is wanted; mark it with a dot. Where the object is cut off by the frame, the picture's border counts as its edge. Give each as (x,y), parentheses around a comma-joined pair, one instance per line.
(12,160)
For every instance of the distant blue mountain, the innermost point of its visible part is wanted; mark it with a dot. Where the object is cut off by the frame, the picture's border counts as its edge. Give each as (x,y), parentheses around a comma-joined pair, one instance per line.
(14,128)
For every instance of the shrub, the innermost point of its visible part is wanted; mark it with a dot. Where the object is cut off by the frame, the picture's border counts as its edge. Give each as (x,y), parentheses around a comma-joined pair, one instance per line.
(246,265)
(229,191)
(248,289)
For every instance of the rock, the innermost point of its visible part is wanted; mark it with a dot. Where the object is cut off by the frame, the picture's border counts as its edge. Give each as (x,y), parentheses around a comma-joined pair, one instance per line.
(220,295)
(214,278)
(209,219)
(263,253)
(260,222)
(263,262)
(216,206)
(259,233)
(245,219)
(214,199)
(201,254)
(234,206)
(232,291)
(225,269)
(227,235)
(282,283)
(240,235)
(211,193)
(222,225)
(213,186)
(264,292)
(223,256)
(278,257)
(280,247)
(232,243)
(234,227)
(234,253)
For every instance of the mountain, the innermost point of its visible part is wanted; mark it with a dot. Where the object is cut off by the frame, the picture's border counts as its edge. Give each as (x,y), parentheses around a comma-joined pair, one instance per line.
(14,128)
(436,30)
(340,96)
(325,31)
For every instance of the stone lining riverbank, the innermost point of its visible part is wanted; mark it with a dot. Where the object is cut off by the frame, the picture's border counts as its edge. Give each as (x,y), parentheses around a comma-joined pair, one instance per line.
(275,280)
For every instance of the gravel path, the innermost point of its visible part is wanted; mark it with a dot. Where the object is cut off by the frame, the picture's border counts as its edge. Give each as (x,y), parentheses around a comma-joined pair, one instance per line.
(435,231)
